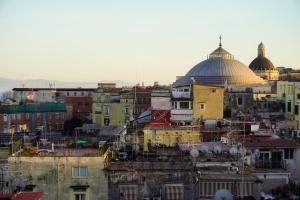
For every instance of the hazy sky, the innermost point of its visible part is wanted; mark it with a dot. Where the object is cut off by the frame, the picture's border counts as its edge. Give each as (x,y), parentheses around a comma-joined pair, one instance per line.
(136,40)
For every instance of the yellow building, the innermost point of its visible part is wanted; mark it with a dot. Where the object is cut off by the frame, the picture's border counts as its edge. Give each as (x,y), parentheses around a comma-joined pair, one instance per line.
(169,136)
(289,93)
(207,102)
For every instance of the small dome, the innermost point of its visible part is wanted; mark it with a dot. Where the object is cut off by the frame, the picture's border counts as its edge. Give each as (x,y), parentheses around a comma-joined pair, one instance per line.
(261,63)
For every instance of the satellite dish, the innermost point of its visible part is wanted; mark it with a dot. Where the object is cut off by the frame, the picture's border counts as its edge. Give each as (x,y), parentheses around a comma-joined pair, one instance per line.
(223,194)
(194,153)
(233,150)
(204,148)
(217,149)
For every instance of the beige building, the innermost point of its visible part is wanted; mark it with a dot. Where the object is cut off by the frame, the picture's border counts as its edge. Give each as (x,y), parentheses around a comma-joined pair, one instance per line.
(61,178)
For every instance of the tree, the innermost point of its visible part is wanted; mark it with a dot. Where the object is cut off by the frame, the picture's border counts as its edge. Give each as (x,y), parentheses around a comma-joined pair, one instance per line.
(6,95)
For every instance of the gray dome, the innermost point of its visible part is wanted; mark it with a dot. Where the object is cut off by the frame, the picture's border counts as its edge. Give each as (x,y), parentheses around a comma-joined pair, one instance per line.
(220,69)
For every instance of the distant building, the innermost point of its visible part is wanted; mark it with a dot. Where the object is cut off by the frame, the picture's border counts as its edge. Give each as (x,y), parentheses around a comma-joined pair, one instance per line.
(262,66)
(78,100)
(142,99)
(289,74)
(112,106)
(79,107)
(30,117)
(289,93)
(76,178)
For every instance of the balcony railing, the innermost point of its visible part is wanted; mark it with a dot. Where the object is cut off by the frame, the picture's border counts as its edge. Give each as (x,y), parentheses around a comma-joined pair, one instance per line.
(181,94)
(269,164)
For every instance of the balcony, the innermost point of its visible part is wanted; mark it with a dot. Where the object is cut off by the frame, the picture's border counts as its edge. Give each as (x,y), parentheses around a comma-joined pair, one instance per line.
(182,115)
(182,112)
(260,164)
(177,94)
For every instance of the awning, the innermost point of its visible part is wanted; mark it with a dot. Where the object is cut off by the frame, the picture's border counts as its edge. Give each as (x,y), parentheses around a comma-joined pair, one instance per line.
(128,192)
(174,192)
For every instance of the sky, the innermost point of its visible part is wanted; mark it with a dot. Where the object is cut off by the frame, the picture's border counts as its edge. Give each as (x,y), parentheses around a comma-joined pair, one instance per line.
(139,41)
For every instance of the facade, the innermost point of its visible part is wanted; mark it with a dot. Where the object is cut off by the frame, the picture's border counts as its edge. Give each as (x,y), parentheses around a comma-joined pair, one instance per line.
(79,107)
(273,161)
(161,99)
(182,105)
(112,106)
(142,99)
(78,178)
(30,117)
(289,93)
(208,102)
(169,136)
(262,66)
(196,102)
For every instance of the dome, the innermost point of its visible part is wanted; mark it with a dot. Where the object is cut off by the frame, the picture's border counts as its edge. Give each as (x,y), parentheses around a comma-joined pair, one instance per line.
(261,63)
(220,69)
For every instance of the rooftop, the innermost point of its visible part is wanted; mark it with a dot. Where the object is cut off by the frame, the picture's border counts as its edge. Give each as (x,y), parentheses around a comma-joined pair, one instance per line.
(271,143)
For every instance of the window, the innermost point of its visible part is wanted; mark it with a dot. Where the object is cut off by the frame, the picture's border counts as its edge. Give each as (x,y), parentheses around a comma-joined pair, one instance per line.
(81,196)
(106,121)
(68,94)
(79,171)
(75,94)
(288,153)
(296,109)
(240,101)
(106,110)
(18,116)
(184,104)
(283,95)
(298,96)
(202,106)
(5,118)
(213,90)
(289,107)
(82,93)
(127,111)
